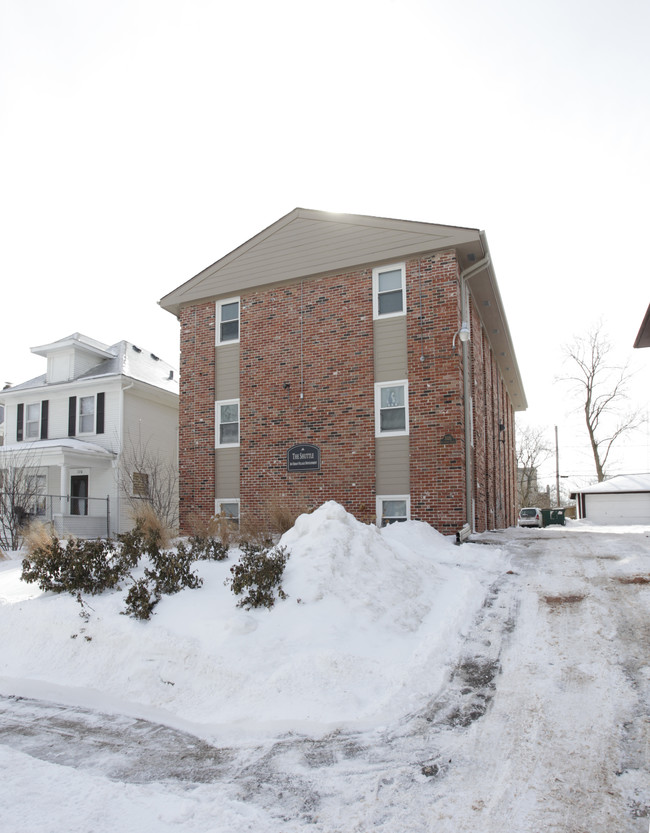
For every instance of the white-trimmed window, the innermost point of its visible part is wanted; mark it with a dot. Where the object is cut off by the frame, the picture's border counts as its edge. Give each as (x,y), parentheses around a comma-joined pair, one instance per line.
(227,418)
(33,421)
(391,408)
(389,290)
(228,321)
(228,508)
(393,509)
(86,414)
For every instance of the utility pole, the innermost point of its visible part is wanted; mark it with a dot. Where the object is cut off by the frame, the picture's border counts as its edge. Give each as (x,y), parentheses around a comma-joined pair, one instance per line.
(557,470)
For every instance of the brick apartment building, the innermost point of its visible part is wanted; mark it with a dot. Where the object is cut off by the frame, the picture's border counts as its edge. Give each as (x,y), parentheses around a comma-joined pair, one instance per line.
(349,358)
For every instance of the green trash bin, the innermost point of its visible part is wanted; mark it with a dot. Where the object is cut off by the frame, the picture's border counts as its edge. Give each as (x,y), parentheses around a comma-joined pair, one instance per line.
(551,517)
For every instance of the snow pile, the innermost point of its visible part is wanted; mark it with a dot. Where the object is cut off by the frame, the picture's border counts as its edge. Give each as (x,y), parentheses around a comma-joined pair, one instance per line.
(371,619)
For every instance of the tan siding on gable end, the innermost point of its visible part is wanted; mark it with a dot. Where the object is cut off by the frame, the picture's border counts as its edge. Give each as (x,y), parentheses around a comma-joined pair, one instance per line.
(392,465)
(227,478)
(309,243)
(390,349)
(227,372)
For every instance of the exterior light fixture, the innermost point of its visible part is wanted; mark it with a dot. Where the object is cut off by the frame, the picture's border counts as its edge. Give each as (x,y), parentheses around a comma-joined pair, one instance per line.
(463,334)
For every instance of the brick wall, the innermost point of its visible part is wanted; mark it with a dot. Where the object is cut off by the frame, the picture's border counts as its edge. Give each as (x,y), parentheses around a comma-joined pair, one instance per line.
(196,436)
(306,376)
(435,392)
(306,363)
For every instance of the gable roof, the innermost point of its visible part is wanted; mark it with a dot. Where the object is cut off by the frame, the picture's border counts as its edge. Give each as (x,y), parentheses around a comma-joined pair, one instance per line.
(307,243)
(76,341)
(643,338)
(619,484)
(120,359)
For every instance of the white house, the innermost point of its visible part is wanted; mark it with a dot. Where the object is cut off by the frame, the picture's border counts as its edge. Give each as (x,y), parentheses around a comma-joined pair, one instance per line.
(620,500)
(86,426)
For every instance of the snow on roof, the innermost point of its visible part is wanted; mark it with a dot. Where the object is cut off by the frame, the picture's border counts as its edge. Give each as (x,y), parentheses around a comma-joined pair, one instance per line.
(137,363)
(36,382)
(123,358)
(621,483)
(73,340)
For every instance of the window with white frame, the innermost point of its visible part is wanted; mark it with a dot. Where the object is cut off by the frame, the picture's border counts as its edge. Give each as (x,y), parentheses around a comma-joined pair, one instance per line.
(227,419)
(391,408)
(33,421)
(228,321)
(389,290)
(228,509)
(393,509)
(86,414)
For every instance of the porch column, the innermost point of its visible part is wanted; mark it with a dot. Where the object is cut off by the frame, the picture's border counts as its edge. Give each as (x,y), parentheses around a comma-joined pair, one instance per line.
(64,487)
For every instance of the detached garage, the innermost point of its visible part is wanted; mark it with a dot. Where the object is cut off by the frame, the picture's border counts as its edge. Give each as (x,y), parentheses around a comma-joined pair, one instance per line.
(621,500)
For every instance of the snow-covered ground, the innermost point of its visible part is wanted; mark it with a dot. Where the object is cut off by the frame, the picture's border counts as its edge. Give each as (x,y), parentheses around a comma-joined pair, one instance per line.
(406,684)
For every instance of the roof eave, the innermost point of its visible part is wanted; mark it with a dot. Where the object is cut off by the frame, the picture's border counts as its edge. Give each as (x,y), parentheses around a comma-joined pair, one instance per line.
(643,338)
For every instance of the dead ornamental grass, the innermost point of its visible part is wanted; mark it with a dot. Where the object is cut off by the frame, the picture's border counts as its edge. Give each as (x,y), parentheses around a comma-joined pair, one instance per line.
(37,536)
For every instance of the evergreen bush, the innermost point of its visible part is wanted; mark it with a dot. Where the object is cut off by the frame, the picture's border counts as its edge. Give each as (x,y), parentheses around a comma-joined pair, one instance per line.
(208,548)
(75,566)
(173,571)
(258,575)
(139,600)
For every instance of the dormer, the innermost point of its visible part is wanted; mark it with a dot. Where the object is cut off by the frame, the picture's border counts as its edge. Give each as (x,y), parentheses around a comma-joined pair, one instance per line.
(72,356)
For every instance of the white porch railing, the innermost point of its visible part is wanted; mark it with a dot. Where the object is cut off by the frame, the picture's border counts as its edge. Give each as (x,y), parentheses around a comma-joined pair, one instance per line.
(82,517)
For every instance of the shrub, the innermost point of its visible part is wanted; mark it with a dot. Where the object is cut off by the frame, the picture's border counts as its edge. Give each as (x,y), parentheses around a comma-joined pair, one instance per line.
(258,574)
(74,567)
(170,572)
(134,544)
(173,571)
(139,600)
(208,548)
(78,566)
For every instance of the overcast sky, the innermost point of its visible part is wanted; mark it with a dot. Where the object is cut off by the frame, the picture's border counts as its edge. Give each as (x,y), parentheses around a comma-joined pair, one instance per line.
(142,140)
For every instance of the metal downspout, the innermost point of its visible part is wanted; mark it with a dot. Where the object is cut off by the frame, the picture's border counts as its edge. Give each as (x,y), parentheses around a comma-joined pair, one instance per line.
(465,275)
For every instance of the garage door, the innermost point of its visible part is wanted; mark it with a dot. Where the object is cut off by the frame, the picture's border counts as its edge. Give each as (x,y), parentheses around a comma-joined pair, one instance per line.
(630,508)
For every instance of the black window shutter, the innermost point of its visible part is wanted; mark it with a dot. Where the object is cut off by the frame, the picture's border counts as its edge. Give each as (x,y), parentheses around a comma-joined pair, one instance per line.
(44,414)
(72,416)
(19,423)
(100,413)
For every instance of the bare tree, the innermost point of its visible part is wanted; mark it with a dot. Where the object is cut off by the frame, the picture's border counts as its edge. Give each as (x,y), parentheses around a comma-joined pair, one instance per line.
(20,494)
(147,476)
(601,387)
(532,450)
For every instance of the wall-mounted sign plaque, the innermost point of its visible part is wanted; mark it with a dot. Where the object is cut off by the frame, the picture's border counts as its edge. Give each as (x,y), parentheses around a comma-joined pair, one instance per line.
(304,457)
(448,440)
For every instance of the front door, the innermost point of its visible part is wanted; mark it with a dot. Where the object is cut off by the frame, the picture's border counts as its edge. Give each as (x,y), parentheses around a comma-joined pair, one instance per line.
(79,494)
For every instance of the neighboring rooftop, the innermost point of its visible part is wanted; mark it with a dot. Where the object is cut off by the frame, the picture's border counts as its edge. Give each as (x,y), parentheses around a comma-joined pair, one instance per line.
(643,338)
(77,357)
(621,483)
